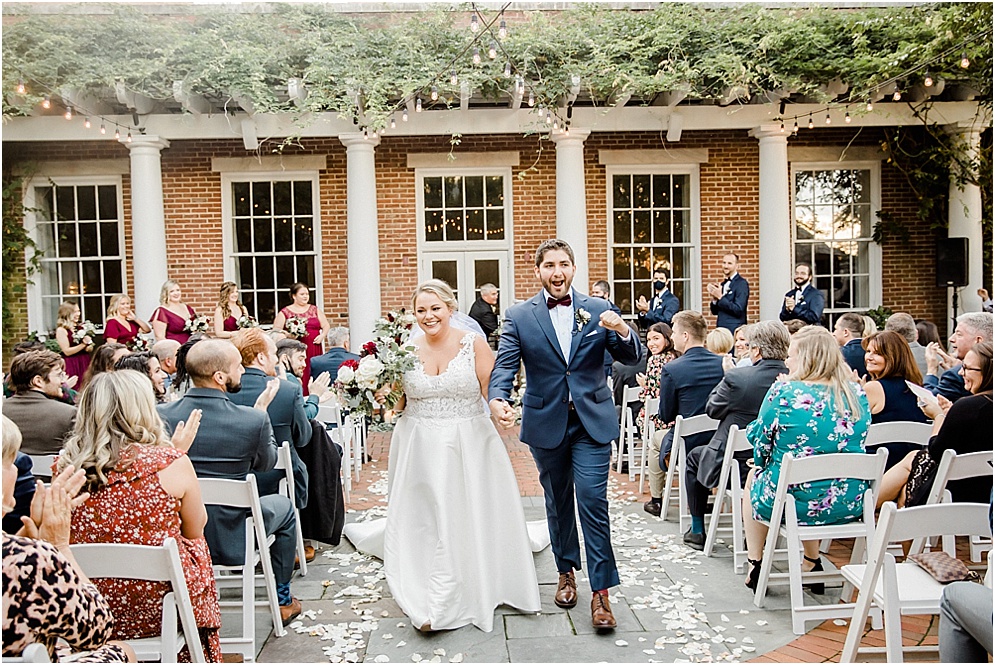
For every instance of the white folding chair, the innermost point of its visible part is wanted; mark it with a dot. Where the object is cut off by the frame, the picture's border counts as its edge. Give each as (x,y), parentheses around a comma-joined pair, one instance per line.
(244,494)
(285,462)
(650,409)
(675,470)
(41,465)
(954,467)
(904,588)
(902,431)
(797,470)
(630,395)
(33,653)
(729,489)
(151,564)
(331,414)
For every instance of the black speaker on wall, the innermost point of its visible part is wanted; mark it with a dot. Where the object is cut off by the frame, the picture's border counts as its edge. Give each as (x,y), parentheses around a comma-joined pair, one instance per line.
(951,262)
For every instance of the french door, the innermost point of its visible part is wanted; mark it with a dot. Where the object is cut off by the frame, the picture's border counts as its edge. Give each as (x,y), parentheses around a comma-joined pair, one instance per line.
(467,271)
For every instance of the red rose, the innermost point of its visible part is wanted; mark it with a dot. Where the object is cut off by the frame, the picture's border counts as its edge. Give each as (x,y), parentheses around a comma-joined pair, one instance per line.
(370,348)
(351,364)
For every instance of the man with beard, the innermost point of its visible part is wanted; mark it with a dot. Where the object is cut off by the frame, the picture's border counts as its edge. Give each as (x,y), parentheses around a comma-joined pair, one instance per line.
(232,441)
(804,302)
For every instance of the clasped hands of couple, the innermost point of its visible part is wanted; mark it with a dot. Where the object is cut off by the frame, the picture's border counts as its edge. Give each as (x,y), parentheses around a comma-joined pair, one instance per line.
(505,413)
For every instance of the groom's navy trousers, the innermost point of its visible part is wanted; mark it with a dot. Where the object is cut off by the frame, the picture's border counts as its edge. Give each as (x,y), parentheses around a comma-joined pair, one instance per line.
(568,421)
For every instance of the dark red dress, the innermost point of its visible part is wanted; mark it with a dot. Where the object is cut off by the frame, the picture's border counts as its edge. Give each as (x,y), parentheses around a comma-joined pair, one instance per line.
(134,508)
(312,338)
(77,363)
(123,335)
(229,324)
(175,324)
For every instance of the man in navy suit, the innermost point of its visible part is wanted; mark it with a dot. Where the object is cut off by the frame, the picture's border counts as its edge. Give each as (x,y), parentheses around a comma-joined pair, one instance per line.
(972,328)
(849,333)
(730,298)
(664,304)
(568,419)
(338,353)
(804,302)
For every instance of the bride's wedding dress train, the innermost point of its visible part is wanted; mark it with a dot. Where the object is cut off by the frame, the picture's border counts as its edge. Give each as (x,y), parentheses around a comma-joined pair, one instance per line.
(455,543)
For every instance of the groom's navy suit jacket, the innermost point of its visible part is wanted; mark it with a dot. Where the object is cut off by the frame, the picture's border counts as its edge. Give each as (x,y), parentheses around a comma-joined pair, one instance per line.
(552,380)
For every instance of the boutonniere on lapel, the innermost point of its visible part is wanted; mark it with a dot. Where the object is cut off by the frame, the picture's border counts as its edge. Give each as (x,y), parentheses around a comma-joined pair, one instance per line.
(583,318)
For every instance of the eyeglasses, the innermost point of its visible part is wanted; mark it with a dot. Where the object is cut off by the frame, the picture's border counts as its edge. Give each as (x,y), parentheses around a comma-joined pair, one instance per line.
(965,368)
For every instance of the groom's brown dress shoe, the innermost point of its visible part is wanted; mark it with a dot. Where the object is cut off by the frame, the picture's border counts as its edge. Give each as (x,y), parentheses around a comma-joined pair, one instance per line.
(566,591)
(601,612)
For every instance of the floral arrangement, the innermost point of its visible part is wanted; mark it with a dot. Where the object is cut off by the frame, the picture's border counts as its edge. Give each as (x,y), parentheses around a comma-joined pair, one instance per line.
(197,324)
(381,364)
(396,325)
(84,329)
(583,317)
(296,327)
(246,321)
(140,344)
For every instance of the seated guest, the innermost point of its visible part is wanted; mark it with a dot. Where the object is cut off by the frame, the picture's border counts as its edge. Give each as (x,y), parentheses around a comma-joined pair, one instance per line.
(292,354)
(719,341)
(735,400)
(143,490)
(661,347)
(36,407)
(24,492)
(624,376)
(232,441)
(966,622)
(972,328)
(181,380)
(286,410)
(68,394)
(890,364)
(686,382)
(818,410)
(794,325)
(46,595)
(905,325)
(870,327)
(804,302)
(147,364)
(965,427)
(849,333)
(740,349)
(338,353)
(926,332)
(103,360)
(166,351)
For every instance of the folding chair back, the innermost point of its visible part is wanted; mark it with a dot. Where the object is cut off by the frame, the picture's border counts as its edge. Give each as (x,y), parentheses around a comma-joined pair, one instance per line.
(626,437)
(729,489)
(285,462)
(904,588)
(244,494)
(151,564)
(901,431)
(650,409)
(41,465)
(683,427)
(331,414)
(953,467)
(33,653)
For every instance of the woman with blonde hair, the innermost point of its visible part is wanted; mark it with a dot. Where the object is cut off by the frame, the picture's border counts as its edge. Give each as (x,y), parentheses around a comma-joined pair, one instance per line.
(170,318)
(143,489)
(818,409)
(122,326)
(76,354)
(719,341)
(229,310)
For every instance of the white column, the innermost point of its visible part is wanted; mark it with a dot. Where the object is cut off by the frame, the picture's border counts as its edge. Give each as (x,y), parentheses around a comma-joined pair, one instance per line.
(148,222)
(776,257)
(362,240)
(571,199)
(964,217)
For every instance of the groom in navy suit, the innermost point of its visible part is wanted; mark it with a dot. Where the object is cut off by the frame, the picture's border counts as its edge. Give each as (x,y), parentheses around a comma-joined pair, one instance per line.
(568,419)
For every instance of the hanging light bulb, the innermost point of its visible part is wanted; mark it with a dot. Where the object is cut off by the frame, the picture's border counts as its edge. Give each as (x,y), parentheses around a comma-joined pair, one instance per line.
(507,70)
(566,130)
(69,113)
(404,115)
(20,88)
(366,134)
(382,131)
(502,29)
(964,61)
(435,93)
(46,103)
(418,105)
(476,55)
(795,129)
(549,117)
(811,124)
(532,98)
(86,122)
(847,118)
(393,123)
(782,127)
(103,128)
(556,125)
(898,95)
(829,120)
(474,24)
(117,133)
(492,50)
(453,79)
(129,137)
(928,81)
(870,104)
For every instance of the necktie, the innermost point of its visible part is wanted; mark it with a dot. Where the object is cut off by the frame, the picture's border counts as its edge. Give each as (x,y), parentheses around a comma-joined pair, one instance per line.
(552,302)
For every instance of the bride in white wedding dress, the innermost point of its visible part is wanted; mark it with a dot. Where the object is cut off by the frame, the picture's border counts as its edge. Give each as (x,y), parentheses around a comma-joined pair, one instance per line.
(455,544)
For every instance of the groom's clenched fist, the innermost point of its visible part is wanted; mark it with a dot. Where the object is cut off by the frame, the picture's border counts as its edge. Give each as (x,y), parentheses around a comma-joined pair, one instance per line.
(613,321)
(503,412)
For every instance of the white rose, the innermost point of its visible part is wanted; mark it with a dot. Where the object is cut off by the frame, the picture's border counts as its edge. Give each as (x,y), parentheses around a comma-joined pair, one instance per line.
(345,374)
(369,369)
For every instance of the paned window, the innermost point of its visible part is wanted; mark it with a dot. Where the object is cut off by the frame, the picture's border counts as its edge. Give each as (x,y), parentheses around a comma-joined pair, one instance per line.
(462,208)
(79,234)
(274,241)
(833,211)
(651,227)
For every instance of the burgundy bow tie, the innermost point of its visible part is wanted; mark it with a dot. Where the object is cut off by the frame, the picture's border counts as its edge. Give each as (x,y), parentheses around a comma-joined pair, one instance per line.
(553,302)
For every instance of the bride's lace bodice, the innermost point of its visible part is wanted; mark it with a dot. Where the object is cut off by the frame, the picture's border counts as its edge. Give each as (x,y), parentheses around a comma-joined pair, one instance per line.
(452,395)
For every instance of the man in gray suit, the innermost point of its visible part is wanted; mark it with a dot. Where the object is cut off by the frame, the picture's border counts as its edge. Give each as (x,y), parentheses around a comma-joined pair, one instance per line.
(736,400)
(905,326)
(286,411)
(36,407)
(233,441)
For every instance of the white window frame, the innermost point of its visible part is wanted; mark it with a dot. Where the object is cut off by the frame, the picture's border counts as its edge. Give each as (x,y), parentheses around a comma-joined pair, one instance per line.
(34,290)
(694,171)
(874,249)
(228,225)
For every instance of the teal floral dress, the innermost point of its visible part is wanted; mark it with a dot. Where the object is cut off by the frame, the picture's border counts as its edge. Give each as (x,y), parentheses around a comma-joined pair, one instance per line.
(800,418)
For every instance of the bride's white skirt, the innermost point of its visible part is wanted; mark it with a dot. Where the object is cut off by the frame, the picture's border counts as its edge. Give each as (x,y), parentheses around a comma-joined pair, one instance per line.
(455,544)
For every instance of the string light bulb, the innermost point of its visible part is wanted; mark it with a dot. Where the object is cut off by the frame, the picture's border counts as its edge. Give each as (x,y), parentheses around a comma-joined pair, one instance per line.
(46,103)
(453,79)
(897,96)
(129,137)
(20,88)
(811,123)
(103,128)
(69,113)
(928,81)
(502,29)
(474,23)
(86,122)
(435,93)
(393,123)
(549,117)
(964,61)
(404,115)
(870,104)
(829,120)
(117,133)
(532,98)
(847,119)
(507,70)
(418,105)
(492,50)
(782,127)
(476,55)
(795,128)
